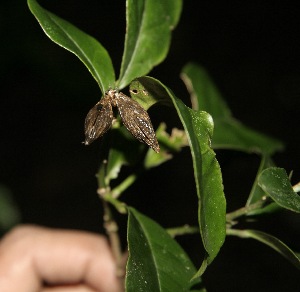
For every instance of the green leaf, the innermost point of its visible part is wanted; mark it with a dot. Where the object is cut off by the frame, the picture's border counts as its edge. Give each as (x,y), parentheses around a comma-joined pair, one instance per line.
(85,47)
(148,36)
(198,126)
(204,93)
(228,133)
(123,150)
(257,193)
(275,182)
(146,99)
(269,240)
(231,134)
(156,261)
(168,145)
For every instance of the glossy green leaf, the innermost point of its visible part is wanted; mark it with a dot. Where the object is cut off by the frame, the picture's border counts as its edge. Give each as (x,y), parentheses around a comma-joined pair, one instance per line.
(228,133)
(269,208)
(156,261)
(275,182)
(85,47)
(257,193)
(198,126)
(148,36)
(146,98)
(271,241)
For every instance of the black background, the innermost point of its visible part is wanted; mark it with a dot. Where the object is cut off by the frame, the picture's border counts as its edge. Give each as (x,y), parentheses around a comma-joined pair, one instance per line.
(251,49)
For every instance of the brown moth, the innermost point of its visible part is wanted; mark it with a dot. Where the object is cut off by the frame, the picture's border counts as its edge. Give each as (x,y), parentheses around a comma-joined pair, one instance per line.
(134,118)
(98,120)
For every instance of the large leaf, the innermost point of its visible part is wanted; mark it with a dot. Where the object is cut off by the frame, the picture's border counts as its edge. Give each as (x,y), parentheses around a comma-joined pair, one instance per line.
(156,262)
(228,132)
(85,47)
(148,36)
(275,182)
(269,240)
(198,126)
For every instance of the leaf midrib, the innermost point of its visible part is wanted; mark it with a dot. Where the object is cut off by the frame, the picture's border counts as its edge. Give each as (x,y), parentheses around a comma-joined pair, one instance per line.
(136,45)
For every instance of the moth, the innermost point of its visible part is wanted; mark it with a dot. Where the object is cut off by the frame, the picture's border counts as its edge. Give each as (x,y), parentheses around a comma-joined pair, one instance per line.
(137,121)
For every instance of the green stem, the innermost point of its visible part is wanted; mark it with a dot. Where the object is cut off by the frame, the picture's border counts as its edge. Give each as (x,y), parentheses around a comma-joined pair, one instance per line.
(110,224)
(125,184)
(101,175)
(182,230)
(236,232)
(106,195)
(111,228)
(244,210)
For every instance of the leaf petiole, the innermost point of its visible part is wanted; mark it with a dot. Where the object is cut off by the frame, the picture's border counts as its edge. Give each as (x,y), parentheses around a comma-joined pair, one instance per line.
(244,210)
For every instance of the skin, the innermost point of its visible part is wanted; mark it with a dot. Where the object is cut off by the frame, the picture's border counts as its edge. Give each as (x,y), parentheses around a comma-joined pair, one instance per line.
(34,259)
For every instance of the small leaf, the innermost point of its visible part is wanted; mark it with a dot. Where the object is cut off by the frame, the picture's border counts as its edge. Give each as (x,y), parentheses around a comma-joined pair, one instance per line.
(268,209)
(228,133)
(147,99)
(198,126)
(156,261)
(169,144)
(153,159)
(275,182)
(173,142)
(122,139)
(258,194)
(148,36)
(271,241)
(85,47)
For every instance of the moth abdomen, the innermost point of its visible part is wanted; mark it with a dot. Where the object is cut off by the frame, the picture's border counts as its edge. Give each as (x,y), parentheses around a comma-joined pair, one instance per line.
(98,120)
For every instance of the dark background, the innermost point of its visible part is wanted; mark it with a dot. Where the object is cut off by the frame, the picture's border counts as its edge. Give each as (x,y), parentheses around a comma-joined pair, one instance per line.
(251,49)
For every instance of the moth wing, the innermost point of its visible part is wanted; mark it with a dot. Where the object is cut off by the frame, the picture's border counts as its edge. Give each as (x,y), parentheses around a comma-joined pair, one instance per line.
(98,120)
(136,120)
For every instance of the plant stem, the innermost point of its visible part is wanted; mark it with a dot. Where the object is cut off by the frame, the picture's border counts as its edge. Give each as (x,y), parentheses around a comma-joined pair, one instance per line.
(182,230)
(107,196)
(118,190)
(111,228)
(244,210)
(236,232)
(110,224)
